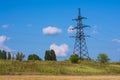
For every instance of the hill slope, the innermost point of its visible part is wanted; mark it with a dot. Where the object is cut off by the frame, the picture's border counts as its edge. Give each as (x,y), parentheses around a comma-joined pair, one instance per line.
(58,68)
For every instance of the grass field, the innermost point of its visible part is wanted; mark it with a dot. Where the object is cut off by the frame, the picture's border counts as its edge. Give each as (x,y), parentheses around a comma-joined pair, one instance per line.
(58,68)
(36,77)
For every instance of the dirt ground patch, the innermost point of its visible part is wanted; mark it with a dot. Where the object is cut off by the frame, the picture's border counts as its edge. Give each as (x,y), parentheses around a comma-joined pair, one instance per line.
(42,77)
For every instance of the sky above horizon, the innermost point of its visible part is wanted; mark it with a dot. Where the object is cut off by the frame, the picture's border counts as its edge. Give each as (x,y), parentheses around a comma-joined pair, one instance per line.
(34,26)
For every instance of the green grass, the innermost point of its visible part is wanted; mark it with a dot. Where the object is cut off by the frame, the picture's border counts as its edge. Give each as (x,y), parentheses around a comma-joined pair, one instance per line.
(58,68)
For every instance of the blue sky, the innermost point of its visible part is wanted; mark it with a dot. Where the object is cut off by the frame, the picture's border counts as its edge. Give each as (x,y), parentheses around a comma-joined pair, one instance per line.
(33,26)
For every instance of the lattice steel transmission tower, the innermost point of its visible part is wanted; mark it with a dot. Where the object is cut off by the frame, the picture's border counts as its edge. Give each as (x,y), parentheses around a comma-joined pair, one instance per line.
(80,47)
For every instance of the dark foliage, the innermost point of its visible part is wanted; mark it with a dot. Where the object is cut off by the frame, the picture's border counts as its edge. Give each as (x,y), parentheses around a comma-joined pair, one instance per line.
(50,55)
(20,56)
(103,58)
(74,58)
(34,57)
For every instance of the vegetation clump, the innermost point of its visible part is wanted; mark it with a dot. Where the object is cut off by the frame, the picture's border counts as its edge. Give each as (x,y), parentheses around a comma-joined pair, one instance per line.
(20,56)
(74,58)
(103,58)
(50,55)
(34,57)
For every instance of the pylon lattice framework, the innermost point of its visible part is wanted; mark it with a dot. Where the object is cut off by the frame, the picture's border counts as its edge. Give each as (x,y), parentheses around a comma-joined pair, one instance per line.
(80,46)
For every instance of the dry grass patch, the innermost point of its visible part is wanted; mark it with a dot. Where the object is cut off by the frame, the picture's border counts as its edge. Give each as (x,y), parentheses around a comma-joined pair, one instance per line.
(42,77)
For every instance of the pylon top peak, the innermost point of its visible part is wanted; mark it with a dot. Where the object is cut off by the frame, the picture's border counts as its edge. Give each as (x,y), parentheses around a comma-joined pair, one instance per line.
(79,16)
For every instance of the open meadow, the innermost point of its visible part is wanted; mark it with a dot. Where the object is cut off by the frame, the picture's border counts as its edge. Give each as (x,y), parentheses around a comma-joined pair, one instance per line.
(58,68)
(42,77)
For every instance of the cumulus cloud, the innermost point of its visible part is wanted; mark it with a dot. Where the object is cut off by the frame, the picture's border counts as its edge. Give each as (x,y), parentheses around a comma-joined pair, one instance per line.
(4,47)
(70,29)
(3,39)
(116,40)
(60,50)
(51,30)
(5,25)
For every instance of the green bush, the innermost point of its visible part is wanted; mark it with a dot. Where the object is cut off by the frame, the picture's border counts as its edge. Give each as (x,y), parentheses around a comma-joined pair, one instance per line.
(74,58)
(34,57)
(103,58)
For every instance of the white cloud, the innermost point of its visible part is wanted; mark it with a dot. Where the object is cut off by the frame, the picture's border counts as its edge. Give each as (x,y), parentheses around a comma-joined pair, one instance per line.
(5,26)
(60,50)
(70,29)
(116,40)
(3,39)
(4,47)
(51,30)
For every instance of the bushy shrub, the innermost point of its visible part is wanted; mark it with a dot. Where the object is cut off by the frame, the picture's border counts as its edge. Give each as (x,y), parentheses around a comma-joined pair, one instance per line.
(34,57)
(74,58)
(103,58)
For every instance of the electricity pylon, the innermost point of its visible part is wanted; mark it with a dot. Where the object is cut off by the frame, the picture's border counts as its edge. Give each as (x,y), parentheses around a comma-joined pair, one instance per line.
(80,47)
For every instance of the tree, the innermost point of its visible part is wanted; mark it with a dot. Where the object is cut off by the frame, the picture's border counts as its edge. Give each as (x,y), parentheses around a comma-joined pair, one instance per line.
(74,58)
(0,54)
(9,56)
(4,54)
(34,57)
(50,55)
(47,55)
(20,56)
(103,58)
(53,55)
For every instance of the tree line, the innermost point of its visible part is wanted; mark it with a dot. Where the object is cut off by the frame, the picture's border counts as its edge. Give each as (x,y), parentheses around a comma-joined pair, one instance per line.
(49,55)
(10,56)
